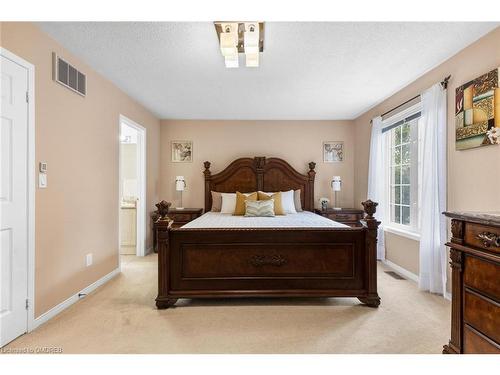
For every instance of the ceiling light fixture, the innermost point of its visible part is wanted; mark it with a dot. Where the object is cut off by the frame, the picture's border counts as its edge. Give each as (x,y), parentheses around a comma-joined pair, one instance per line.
(229,44)
(240,37)
(251,44)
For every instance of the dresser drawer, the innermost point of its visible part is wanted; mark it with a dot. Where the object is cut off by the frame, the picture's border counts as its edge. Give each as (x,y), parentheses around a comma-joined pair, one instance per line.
(484,237)
(483,276)
(475,343)
(483,314)
(181,218)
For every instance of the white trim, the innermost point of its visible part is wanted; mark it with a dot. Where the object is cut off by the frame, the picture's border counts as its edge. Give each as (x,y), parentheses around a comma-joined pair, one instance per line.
(400,270)
(142,178)
(447,296)
(402,232)
(31,182)
(74,298)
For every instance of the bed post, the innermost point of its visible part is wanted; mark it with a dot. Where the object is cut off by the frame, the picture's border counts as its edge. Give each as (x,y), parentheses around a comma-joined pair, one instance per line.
(371,225)
(162,228)
(312,175)
(208,193)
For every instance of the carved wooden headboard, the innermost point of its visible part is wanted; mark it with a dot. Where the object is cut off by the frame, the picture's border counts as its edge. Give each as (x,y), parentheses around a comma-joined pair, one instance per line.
(247,175)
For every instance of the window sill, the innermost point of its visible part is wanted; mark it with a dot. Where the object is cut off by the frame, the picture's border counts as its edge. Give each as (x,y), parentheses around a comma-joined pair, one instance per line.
(402,232)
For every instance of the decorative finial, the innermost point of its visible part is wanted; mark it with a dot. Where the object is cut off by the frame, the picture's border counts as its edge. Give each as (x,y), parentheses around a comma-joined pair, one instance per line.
(370,208)
(312,165)
(207,165)
(163,208)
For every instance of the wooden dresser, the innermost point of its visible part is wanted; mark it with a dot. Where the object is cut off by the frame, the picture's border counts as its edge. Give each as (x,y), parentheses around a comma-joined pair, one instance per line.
(348,216)
(475,263)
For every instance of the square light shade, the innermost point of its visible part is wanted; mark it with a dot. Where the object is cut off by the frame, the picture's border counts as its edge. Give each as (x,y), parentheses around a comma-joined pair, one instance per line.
(229,40)
(231,61)
(180,183)
(336,183)
(252,60)
(251,38)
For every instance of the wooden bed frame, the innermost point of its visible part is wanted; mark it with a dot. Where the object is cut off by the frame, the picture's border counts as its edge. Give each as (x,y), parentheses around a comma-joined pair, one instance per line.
(267,262)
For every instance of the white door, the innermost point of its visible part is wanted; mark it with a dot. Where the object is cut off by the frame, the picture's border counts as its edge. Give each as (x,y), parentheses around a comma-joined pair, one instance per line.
(13,200)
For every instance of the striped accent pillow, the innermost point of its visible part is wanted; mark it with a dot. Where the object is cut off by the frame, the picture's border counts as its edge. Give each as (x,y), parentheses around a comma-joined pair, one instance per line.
(259,208)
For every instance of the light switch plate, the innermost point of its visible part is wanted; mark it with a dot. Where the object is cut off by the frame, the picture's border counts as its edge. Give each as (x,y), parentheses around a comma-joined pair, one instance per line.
(43,167)
(42,180)
(88,259)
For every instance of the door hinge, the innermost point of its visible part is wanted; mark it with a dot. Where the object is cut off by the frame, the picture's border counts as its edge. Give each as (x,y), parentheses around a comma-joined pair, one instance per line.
(27,304)
(27,97)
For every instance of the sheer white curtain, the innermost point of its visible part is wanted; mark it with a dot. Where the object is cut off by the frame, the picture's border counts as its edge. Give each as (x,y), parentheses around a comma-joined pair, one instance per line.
(377,181)
(432,131)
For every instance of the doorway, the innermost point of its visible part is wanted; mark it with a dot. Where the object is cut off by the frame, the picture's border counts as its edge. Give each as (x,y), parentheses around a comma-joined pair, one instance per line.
(132,185)
(17,196)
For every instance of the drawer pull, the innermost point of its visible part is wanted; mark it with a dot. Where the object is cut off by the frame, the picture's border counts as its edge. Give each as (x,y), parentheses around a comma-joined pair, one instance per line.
(268,260)
(489,239)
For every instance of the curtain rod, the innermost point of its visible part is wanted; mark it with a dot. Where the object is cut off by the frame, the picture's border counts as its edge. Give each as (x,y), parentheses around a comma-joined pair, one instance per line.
(444,83)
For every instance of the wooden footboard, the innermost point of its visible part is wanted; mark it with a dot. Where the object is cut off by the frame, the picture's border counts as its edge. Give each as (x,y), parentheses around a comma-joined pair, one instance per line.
(274,262)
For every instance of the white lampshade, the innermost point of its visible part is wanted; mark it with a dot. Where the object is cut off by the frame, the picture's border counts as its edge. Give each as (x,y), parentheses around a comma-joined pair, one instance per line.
(231,61)
(251,38)
(229,40)
(336,183)
(180,183)
(252,60)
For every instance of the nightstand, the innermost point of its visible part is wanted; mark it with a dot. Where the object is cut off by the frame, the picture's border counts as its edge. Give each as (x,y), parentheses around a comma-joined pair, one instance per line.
(184,216)
(348,216)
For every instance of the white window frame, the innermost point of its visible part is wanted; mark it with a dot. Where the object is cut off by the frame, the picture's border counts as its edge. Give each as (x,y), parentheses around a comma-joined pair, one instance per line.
(411,231)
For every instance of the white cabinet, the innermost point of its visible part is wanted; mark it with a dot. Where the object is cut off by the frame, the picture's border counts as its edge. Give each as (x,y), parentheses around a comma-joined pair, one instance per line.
(128,229)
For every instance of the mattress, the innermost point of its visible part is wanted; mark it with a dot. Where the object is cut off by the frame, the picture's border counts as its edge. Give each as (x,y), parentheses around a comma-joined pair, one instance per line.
(303,219)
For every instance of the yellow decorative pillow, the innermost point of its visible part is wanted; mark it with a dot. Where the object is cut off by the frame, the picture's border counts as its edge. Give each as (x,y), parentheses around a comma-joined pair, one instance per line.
(278,207)
(240,208)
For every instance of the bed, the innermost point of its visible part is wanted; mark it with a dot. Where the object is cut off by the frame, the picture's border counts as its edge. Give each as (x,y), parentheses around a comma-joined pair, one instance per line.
(297,255)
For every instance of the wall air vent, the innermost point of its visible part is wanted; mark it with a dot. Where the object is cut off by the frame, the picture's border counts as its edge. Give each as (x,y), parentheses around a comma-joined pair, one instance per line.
(68,76)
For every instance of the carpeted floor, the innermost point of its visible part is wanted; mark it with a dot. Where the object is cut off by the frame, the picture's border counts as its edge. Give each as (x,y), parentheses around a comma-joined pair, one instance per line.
(120,317)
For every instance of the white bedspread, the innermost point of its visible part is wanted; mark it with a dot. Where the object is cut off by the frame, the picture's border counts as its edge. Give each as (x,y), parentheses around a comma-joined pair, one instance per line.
(304,219)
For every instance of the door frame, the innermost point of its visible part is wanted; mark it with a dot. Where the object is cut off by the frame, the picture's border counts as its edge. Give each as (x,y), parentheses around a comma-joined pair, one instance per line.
(141,249)
(30,293)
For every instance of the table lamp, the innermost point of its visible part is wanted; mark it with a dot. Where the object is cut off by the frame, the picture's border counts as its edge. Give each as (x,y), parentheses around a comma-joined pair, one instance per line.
(180,185)
(336,186)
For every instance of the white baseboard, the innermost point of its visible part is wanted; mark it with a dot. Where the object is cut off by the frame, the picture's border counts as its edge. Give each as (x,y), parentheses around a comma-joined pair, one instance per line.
(45,317)
(447,296)
(400,270)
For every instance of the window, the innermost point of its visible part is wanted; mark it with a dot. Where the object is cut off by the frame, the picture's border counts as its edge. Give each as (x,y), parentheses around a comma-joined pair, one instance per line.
(402,144)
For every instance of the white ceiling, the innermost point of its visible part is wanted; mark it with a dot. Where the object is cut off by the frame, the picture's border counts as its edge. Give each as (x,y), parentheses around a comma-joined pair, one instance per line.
(308,70)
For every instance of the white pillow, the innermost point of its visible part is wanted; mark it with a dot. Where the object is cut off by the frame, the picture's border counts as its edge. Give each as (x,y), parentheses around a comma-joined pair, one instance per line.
(228,203)
(288,202)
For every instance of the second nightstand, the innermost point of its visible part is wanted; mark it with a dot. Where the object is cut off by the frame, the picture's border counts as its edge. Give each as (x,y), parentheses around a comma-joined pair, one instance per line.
(184,216)
(348,216)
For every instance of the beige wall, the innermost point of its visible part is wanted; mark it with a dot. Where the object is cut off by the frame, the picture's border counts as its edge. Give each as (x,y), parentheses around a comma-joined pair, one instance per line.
(472,182)
(220,142)
(78,138)
(402,251)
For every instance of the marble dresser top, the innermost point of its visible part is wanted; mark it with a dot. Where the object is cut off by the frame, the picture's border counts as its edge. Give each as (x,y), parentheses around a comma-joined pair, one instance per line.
(486,218)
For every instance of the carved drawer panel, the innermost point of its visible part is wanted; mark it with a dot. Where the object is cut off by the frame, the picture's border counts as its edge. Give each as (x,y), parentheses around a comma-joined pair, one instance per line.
(483,314)
(476,343)
(483,276)
(484,237)
(344,217)
(305,260)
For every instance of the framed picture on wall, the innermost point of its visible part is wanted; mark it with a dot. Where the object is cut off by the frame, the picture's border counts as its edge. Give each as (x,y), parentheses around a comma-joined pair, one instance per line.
(182,151)
(333,151)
